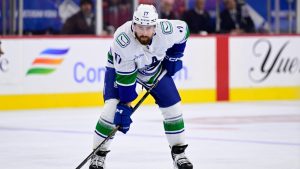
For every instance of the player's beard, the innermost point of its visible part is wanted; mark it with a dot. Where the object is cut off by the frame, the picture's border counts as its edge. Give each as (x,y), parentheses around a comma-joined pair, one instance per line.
(144,40)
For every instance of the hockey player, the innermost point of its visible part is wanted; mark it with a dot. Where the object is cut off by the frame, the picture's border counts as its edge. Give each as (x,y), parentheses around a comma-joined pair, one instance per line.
(141,49)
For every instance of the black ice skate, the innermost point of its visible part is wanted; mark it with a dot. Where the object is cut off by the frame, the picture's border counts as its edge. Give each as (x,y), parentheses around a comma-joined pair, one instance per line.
(98,160)
(179,158)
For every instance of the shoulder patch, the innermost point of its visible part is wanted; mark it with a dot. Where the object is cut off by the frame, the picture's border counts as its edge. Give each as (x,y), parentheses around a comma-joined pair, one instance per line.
(166,27)
(123,40)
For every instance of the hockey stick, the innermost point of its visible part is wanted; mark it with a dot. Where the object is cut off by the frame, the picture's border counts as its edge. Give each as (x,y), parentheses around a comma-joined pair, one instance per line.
(116,129)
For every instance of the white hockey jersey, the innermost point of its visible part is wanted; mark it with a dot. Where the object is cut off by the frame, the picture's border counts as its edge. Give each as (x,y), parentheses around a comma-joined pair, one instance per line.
(133,61)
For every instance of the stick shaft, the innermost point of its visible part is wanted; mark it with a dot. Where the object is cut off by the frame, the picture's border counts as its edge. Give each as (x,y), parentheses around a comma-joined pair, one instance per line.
(116,129)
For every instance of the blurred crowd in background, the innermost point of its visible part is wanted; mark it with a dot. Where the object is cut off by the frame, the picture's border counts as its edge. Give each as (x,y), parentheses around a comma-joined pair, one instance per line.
(71,17)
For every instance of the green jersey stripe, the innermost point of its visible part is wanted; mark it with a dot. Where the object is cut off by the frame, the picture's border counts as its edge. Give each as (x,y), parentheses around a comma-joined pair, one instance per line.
(187,34)
(153,78)
(110,58)
(126,80)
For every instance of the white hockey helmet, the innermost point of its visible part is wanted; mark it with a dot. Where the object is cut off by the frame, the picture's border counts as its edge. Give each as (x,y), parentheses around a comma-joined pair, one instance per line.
(145,15)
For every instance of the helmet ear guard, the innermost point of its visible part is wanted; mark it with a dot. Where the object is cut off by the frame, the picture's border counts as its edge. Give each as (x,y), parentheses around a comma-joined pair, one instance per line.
(145,15)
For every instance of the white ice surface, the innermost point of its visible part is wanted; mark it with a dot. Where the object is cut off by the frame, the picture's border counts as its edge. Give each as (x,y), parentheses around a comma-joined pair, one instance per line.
(264,135)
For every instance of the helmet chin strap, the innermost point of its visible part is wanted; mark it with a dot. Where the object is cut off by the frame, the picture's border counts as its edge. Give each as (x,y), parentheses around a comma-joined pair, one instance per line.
(132,30)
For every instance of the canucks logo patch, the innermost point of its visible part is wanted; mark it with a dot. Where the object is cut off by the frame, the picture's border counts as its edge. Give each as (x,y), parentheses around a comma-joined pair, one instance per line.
(123,40)
(166,27)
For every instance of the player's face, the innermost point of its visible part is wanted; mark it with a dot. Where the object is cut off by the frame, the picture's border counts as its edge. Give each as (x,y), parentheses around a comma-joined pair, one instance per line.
(143,33)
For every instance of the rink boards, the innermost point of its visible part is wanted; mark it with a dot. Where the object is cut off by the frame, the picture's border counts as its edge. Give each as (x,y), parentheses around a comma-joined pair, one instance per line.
(41,72)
